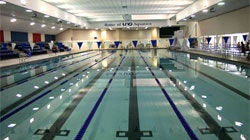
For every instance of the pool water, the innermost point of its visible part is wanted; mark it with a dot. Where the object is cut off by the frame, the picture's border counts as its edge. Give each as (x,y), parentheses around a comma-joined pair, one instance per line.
(126,95)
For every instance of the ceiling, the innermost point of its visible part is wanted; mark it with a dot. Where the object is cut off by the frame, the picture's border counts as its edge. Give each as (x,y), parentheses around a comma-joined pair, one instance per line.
(215,10)
(113,10)
(94,11)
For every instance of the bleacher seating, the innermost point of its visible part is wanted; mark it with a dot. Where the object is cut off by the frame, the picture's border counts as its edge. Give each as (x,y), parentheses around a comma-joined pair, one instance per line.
(5,53)
(25,48)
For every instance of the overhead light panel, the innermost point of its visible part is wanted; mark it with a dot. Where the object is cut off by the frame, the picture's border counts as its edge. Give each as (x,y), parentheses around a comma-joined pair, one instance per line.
(53,27)
(28,10)
(205,10)
(61,29)
(46,16)
(54,1)
(13,20)
(43,25)
(175,2)
(65,6)
(32,23)
(23,2)
(2,2)
(221,3)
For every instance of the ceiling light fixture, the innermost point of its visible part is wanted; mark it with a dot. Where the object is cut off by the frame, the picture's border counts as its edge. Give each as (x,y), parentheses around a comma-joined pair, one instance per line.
(13,20)
(23,2)
(221,3)
(61,28)
(28,10)
(192,16)
(53,27)
(46,16)
(43,25)
(32,23)
(205,10)
(65,6)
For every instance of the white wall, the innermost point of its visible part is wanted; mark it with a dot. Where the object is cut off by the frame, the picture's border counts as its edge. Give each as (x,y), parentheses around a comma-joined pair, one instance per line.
(7,36)
(30,37)
(233,22)
(42,37)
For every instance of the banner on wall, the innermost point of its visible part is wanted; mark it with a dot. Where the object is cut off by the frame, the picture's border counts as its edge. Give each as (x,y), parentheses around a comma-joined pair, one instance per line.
(171,41)
(199,40)
(208,40)
(32,45)
(217,39)
(225,38)
(99,44)
(129,24)
(134,43)
(79,44)
(13,45)
(117,44)
(245,37)
(181,41)
(50,45)
(235,39)
(89,44)
(190,40)
(154,43)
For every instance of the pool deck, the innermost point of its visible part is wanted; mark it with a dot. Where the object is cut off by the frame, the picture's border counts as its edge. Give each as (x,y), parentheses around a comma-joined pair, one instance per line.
(19,61)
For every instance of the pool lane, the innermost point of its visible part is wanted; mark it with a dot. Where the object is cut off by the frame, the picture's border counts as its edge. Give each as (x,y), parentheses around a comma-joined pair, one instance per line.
(10,70)
(187,127)
(52,76)
(57,125)
(31,102)
(84,127)
(33,72)
(3,117)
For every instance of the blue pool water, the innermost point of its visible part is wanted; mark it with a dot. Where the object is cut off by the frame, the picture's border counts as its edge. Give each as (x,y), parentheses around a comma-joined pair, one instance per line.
(126,95)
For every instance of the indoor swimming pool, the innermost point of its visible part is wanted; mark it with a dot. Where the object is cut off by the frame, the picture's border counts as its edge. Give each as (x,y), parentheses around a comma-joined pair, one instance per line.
(153,94)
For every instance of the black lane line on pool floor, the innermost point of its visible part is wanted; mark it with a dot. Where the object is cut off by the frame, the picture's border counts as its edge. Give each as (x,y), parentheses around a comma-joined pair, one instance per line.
(174,107)
(43,73)
(57,125)
(214,127)
(84,127)
(14,105)
(134,132)
(4,117)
